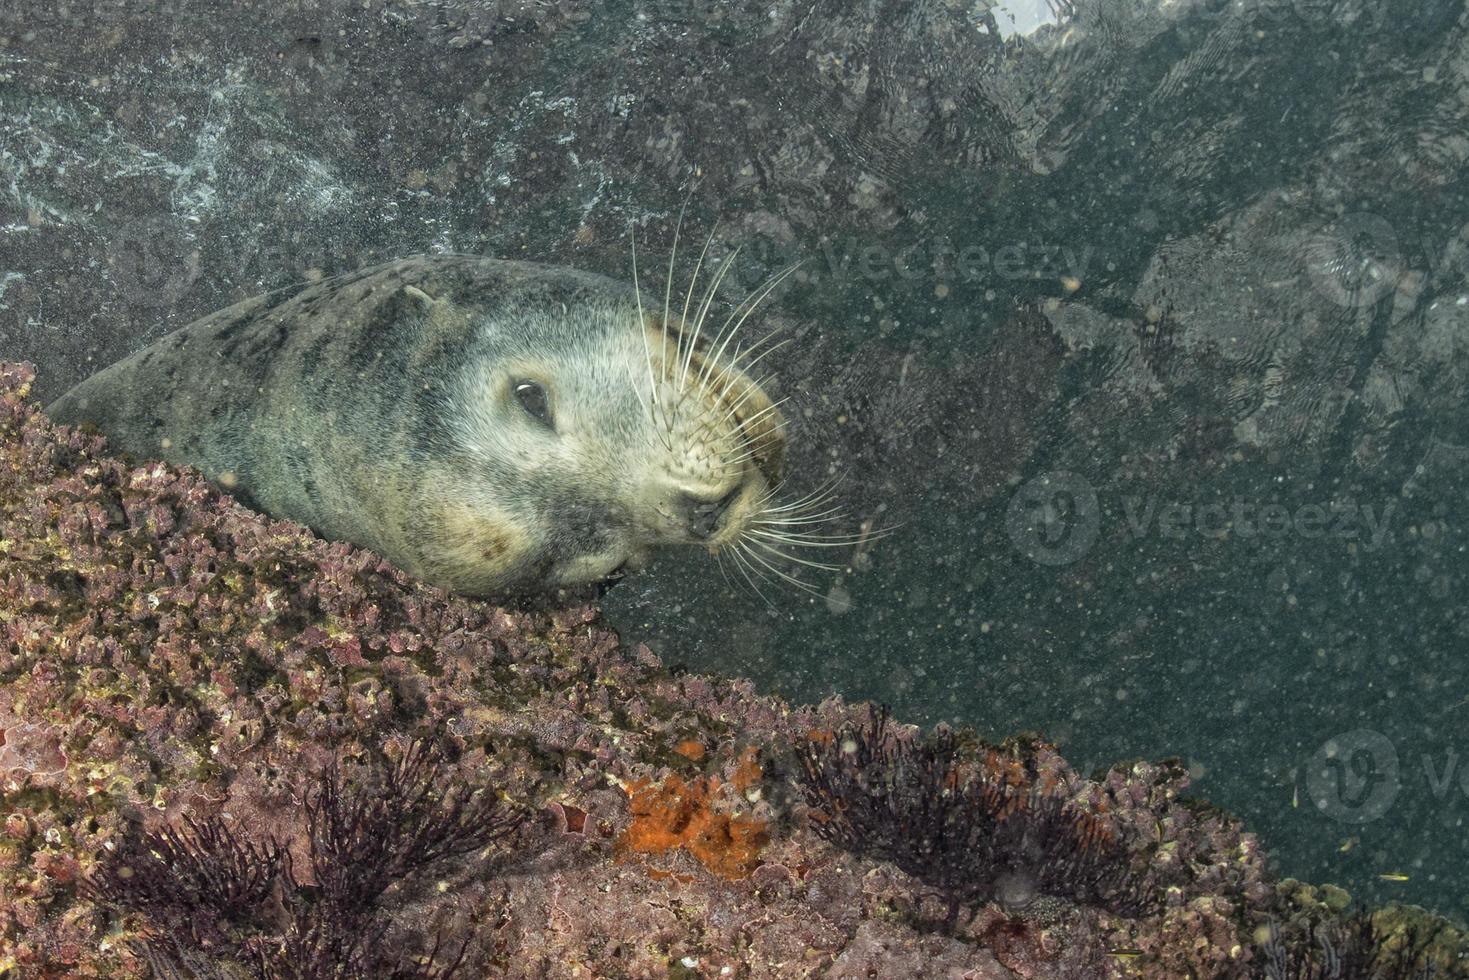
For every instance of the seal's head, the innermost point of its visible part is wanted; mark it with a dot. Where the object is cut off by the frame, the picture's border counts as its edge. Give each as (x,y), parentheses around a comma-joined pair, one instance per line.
(609,430)
(490,427)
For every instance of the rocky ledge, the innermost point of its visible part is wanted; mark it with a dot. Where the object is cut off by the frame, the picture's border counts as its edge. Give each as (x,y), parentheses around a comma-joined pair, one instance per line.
(229,748)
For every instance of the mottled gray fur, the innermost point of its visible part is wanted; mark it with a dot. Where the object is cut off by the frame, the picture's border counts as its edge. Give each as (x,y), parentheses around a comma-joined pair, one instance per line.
(374,407)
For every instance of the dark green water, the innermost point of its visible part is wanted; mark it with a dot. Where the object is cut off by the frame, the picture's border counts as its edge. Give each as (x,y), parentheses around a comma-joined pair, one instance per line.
(1217,511)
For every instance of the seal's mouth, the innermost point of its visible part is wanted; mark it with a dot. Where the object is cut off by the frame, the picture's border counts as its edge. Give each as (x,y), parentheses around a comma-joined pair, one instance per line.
(745,523)
(736,514)
(710,407)
(605,584)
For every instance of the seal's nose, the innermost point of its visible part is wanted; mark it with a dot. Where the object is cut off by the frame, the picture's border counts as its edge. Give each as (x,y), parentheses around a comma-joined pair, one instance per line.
(702,515)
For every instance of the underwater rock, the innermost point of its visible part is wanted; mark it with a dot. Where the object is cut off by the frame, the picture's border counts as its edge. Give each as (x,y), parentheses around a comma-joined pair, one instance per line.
(184,677)
(1226,223)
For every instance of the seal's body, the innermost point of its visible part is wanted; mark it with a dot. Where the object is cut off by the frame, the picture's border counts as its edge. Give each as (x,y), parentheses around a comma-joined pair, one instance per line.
(489,426)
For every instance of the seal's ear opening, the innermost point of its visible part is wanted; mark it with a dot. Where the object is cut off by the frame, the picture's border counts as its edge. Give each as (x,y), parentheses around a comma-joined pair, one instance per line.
(417,297)
(443,326)
(408,302)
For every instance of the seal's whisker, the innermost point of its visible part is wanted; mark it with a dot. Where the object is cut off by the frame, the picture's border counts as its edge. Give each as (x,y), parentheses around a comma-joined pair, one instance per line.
(812,509)
(767,410)
(690,343)
(799,515)
(784,576)
(792,525)
(746,568)
(710,422)
(734,408)
(797,527)
(668,293)
(701,315)
(749,304)
(734,461)
(652,407)
(744,457)
(764,503)
(787,556)
(822,493)
(723,572)
(735,361)
(752,302)
(813,540)
(637,292)
(727,332)
(805,524)
(739,459)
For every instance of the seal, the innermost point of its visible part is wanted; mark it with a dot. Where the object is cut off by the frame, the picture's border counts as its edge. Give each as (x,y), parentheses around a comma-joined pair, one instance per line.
(491,427)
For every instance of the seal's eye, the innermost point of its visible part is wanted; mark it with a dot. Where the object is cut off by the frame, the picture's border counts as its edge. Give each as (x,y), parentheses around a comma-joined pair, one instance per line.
(533,398)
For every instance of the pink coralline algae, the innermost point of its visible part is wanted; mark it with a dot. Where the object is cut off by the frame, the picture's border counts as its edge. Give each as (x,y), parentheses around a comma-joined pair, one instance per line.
(181,676)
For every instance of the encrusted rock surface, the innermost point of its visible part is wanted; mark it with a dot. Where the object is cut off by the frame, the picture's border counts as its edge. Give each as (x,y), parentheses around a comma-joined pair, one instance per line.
(166,654)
